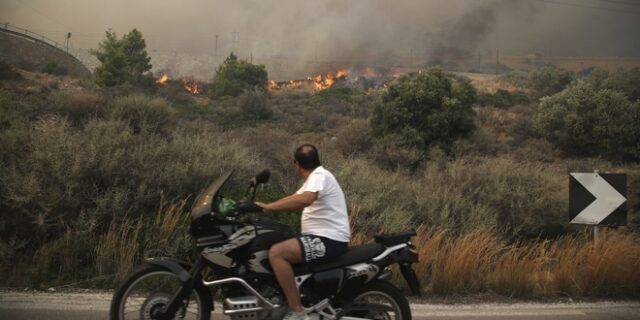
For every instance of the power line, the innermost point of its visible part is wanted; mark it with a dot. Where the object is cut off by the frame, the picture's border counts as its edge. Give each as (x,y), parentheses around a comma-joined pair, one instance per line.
(623,2)
(620,10)
(40,13)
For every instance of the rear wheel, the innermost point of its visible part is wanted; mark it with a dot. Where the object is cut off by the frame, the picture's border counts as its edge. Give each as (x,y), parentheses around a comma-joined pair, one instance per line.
(148,290)
(380,300)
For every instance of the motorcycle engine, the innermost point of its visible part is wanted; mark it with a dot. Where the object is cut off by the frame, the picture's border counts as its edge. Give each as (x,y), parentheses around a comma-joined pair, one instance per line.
(248,307)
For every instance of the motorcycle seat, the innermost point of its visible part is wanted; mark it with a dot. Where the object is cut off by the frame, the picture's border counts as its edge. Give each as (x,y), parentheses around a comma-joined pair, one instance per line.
(354,254)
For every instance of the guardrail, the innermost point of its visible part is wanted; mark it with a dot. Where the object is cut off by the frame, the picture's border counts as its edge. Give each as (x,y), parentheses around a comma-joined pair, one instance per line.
(21,32)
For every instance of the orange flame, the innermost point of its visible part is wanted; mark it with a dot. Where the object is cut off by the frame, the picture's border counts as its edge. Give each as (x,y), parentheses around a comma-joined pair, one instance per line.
(191,86)
(163,80)
(272,85)
(317,82)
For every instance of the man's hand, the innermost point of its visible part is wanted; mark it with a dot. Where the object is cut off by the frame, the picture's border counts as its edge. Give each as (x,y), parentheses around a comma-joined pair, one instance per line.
(261,204)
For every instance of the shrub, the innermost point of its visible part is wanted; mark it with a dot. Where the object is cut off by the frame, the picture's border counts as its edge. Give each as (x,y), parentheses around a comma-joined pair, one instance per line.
(549,80)
(122,60)
(53,68)
(340,93)
(235,76)
(55,174)
(426,109)
(354,138)
(79,107)
(142,113)
(584,121)
(516,78)
(502,99)
(7,72)
(625,81)
(389,153)
(254,104)
(517,198)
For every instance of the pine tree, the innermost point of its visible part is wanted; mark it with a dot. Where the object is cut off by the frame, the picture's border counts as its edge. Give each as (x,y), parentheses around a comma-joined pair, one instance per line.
(122,60)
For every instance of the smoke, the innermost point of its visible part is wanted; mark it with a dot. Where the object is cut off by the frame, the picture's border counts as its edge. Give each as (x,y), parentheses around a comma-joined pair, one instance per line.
(295,38)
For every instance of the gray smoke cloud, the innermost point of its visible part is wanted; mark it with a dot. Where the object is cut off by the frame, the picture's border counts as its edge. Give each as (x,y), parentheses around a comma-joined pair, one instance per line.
(295,38)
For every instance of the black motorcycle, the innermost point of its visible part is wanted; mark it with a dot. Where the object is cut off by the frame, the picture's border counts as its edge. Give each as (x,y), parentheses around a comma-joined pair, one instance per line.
(234,246)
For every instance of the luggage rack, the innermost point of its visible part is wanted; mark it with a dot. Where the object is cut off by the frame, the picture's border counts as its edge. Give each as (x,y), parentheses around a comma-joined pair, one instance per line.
(394,238)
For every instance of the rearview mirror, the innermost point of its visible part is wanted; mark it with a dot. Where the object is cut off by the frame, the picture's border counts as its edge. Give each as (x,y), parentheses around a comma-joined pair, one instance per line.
(263,176)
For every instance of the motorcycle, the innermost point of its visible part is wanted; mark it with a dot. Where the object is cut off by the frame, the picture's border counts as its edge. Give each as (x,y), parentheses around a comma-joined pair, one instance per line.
(233,265)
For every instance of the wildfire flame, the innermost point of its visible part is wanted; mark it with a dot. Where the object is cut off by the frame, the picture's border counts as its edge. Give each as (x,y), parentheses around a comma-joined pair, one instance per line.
(191,86)
(163,80)
(317,82)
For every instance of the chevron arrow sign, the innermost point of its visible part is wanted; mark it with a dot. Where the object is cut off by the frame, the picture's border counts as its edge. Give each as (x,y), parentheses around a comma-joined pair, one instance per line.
(596,198)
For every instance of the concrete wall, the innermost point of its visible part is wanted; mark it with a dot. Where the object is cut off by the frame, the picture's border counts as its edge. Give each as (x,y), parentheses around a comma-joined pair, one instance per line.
(33,55)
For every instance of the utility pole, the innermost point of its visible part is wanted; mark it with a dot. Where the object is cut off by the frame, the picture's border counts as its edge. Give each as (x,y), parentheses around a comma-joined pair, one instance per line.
(66,40)
(235,39)
(497,59)
(411,57)
(215,53)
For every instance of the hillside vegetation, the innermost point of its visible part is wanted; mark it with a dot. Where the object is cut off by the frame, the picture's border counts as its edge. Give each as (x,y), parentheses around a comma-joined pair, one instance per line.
(96,179)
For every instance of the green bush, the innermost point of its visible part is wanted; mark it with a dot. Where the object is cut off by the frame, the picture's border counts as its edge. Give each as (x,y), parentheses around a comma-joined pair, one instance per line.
(549,80)
(626,81)
(79,107)
(254,104)
(235,76)
(502,99)
(585,121)
(142,113)
(53,68)
(425,109)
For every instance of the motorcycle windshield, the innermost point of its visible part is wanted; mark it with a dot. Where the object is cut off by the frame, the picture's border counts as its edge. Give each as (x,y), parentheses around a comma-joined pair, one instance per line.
(204,202)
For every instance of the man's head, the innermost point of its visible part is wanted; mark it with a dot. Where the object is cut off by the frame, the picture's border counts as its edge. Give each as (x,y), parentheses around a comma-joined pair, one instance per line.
(306,158)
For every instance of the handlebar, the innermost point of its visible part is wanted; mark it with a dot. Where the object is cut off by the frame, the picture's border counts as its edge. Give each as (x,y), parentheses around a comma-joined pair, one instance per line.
(247,206)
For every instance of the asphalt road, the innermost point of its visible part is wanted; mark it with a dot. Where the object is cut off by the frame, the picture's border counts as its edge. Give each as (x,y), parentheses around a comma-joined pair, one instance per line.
(93,306)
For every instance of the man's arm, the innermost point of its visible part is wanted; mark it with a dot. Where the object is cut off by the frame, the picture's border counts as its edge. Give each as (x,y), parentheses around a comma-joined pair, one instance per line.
(294,202)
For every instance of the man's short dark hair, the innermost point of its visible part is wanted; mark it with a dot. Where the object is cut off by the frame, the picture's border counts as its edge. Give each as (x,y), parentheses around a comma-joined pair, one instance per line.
(307,156)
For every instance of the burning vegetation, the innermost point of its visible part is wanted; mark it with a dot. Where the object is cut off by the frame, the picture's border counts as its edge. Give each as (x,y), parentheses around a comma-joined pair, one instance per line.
(192,86)
(163,80)
(363,78)
(317,82)
(189,84)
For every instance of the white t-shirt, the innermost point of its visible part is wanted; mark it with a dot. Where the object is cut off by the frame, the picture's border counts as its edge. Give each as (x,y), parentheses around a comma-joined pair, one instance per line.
(327,216)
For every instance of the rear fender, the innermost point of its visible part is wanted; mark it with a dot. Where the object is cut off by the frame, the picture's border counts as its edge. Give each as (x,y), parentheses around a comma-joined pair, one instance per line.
(405,258)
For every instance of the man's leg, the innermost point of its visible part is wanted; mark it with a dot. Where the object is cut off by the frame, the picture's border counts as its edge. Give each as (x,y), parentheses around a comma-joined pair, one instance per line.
(281,256)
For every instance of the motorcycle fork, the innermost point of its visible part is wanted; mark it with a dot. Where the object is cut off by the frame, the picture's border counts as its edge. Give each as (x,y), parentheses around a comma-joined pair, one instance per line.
(178,298)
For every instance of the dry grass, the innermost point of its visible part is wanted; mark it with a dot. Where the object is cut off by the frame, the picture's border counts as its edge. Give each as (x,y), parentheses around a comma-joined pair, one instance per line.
(573,265)
(126,243)
(118,249)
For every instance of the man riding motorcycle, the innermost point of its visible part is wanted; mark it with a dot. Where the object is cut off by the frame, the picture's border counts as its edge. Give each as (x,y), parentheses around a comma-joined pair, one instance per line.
(325,225)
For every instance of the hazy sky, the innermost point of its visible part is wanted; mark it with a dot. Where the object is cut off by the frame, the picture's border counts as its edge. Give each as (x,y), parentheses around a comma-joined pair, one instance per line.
(366,30)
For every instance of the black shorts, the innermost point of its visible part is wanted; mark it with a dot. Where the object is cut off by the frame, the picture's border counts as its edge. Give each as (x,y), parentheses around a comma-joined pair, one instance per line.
(316,249)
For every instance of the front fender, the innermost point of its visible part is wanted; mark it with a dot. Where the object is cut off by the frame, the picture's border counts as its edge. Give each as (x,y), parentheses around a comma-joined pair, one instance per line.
(181,270)
(178,267)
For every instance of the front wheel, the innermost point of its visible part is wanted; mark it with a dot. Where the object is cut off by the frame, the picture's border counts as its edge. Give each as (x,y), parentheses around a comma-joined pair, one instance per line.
(150,289)
(379,300)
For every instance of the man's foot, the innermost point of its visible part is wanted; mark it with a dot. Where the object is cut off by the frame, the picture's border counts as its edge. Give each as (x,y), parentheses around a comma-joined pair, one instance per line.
(292,315)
